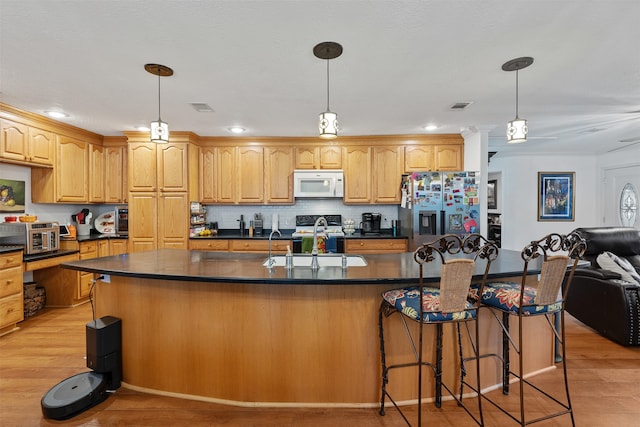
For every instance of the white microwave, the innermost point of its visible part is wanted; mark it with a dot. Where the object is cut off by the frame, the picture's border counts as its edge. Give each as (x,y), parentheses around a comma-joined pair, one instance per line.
(318,183)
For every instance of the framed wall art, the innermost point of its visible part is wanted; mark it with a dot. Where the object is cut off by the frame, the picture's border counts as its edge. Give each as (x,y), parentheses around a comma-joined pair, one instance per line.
(12,196)
(492,194)
(556,196)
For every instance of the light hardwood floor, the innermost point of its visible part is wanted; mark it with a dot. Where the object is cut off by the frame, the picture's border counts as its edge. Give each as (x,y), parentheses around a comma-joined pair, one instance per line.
(50,347)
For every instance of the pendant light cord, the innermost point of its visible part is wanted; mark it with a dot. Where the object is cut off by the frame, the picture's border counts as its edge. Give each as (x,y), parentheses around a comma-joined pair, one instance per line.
(328,85)
(516,94)
(159,116)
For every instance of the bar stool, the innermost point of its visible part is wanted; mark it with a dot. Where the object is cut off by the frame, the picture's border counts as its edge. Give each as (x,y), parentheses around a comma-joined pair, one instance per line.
(560,255)
(427,304)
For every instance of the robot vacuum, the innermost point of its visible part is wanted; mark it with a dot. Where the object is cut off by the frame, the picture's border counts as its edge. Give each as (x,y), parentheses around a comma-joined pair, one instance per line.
(74,395)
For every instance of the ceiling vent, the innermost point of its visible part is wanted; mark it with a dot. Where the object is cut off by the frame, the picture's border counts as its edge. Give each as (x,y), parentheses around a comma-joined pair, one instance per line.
(459,106)
(201,107)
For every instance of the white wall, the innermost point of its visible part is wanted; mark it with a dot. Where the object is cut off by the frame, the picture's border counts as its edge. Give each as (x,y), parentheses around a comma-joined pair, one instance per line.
(45,212)
(518,195)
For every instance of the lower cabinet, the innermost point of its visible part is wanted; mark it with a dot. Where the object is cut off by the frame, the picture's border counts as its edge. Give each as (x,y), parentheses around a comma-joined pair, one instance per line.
(64,287)
(375,246)
(11,292)
(257,246)
(209,245)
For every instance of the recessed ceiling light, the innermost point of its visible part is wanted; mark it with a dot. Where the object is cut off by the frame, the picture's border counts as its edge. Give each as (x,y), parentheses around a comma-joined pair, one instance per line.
(430,127)
(236,129)
(56,114)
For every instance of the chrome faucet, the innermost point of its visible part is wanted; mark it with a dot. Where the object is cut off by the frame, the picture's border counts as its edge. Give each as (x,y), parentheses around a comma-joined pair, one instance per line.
(314,251)
(271,260)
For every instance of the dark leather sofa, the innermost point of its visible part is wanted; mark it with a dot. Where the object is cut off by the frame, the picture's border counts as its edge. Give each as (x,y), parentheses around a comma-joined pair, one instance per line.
(599,298)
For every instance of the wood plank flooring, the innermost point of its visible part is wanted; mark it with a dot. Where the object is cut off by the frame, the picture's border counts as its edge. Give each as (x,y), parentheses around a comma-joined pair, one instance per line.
(50,347)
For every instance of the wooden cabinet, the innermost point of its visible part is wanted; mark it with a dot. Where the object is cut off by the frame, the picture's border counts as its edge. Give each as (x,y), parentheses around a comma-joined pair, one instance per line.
(72,170)
(103,248)
(250,175)
(388,165)
(448,157)
(11,292)
(64,287)
(217,174)
(96,174)
(115,161)
(160,188)
(325,157)
(279,175)
(26,144)
(357,174)
(418,158)
(374,246)
(260,246)
(118,246)
(209,245)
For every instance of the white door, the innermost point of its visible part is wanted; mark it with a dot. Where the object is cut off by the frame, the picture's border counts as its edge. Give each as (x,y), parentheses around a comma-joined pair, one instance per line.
(614,184)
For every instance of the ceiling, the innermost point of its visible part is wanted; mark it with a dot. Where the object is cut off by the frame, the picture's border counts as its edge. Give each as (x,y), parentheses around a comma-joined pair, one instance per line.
(404,64)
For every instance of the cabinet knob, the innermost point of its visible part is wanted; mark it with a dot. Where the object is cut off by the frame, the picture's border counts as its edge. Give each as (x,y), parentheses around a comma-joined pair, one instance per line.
(8,282)
(361,243)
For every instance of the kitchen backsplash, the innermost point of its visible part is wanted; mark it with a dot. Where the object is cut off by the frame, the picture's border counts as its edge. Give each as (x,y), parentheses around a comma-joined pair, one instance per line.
(227,216)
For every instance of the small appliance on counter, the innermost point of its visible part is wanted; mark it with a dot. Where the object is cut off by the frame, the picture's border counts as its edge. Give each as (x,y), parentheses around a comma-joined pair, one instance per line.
(122,221)
(36,237)
(371,223)
(258,223)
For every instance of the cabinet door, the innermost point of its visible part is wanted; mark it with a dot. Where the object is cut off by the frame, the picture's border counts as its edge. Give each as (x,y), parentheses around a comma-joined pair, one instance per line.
(103,248)
(418,159)
(96,173)
(118,247)
(41,146)
(357,174)
(279,175)
(173,161)
(142,173)
(143,221)
(114,167)
(173,220)
(330,157)
(307,157)
(448,157)
(13,140)
(388,163)
(226,174)
(207,175)
(72,170)
(250,175)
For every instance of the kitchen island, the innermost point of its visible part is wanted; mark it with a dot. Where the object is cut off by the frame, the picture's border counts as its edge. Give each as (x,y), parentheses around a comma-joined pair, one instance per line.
(222,327)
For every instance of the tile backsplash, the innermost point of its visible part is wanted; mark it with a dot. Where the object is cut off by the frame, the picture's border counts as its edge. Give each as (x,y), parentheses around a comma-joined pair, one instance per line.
(228,216)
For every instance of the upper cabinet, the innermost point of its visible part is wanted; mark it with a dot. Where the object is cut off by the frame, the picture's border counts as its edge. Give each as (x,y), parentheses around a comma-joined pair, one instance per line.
(250,174)
(115,174)
(325,157)
(356,161)
(97,175)
(279,175)
(418,158)
(143,166)
(388,165)
(448,157)
(26,144)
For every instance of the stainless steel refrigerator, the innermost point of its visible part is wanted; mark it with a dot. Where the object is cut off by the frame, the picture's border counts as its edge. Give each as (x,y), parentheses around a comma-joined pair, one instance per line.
(437,203)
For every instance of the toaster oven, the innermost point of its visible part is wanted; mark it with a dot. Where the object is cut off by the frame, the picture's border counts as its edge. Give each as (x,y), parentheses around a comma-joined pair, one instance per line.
(34,237)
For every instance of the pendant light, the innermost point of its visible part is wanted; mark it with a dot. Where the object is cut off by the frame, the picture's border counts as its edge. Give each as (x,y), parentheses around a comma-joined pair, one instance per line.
(159,129)
(328,121)
(517,128)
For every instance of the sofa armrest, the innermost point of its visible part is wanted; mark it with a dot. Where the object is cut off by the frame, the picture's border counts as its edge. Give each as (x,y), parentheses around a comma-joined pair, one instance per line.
(597,273)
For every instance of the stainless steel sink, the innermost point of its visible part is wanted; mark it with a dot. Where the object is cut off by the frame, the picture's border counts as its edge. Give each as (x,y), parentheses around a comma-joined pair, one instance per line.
(324,260)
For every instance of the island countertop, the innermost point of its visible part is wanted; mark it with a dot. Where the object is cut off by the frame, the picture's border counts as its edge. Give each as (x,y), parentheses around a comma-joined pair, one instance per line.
(206,266)
(223,328)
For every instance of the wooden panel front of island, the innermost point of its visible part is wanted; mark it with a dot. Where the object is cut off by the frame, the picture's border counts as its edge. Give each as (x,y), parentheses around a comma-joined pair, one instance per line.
(276,345)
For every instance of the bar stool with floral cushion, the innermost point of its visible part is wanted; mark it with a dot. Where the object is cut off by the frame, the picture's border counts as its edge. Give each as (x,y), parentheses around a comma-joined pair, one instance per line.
(560,255)
(437,304)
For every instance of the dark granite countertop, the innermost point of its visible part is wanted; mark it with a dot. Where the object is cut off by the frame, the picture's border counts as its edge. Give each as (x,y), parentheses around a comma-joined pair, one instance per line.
(205,266)
(95,236)
(54,254)
(287,235)
(10,248)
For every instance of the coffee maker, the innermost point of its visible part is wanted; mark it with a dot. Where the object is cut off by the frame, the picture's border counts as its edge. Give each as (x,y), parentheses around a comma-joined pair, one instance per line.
(371,223)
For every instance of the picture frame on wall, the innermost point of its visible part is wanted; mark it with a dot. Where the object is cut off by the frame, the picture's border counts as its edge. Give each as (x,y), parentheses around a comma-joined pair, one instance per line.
(556,196)
(492,194)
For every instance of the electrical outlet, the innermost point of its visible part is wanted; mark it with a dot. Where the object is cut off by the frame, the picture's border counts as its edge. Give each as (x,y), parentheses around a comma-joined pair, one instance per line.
(106,278)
